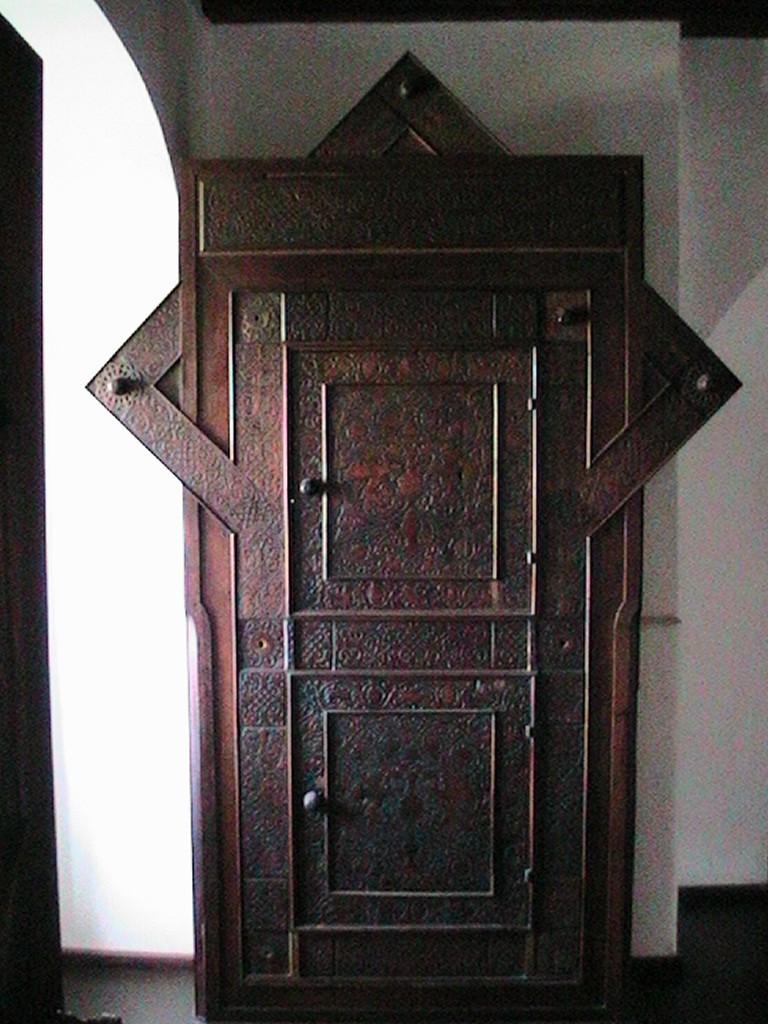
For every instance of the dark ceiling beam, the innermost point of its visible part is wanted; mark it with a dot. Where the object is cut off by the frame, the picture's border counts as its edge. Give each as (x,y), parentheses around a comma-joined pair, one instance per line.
(696,18)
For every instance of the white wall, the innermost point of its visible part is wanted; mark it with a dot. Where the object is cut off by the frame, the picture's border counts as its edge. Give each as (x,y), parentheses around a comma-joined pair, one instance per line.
(721,782)
(115,540)
(260,91)
(654,917)
(721,779)
(158,36)
(724,154)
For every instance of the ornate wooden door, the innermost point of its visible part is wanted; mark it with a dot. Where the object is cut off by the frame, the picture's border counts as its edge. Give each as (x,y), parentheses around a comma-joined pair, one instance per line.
(30,969)
(419,399)
(410,593)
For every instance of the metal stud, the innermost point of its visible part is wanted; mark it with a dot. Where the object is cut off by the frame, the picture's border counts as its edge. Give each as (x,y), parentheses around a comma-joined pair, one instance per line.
(310,486)
(572,317)
(122,386)
(312,800)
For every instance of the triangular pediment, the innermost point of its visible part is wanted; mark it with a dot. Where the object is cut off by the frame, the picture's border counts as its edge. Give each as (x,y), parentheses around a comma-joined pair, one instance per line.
(408,110)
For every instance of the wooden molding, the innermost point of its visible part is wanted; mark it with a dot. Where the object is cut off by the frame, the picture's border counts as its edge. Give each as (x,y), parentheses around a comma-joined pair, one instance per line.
(77,959)
(695,19)
(693,896)
(657,970)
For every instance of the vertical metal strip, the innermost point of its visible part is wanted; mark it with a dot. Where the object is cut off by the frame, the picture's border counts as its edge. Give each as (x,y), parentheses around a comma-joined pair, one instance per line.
(532,797)
(534,475)
(231,376)
(588,426)
(288,482)
(327,797)
(492,796)
(294,965)
(325,455)
(495,513)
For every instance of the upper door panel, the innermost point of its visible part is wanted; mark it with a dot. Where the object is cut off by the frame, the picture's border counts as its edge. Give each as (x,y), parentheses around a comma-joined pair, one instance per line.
(411,477)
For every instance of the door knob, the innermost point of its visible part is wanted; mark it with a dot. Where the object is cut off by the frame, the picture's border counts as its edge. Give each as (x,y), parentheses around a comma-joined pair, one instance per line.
(313,801)
(310,486)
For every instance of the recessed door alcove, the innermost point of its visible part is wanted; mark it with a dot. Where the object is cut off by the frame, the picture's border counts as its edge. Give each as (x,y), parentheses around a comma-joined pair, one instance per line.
(422,382)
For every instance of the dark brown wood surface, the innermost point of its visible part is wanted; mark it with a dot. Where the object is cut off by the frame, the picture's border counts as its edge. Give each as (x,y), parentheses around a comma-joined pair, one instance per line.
(30,977)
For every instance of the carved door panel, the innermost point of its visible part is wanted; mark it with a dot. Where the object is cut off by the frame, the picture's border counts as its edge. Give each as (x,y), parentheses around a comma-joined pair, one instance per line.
(419,399)
(410,571)
(402,452)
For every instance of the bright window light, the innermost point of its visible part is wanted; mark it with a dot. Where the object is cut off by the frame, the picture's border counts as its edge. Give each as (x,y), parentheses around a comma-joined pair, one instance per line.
(115,531)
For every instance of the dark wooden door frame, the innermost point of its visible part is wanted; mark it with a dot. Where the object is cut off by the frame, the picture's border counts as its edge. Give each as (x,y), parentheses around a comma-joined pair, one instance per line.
(30,977)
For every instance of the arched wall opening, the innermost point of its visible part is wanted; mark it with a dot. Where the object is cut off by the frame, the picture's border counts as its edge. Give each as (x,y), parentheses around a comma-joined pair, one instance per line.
(114,515)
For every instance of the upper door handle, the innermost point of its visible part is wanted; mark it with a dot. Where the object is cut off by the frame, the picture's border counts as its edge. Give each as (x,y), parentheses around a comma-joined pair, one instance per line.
(310,486)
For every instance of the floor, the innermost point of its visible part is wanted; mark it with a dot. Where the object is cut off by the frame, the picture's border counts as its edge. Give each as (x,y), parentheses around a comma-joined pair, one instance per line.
(721,976)
(136,994)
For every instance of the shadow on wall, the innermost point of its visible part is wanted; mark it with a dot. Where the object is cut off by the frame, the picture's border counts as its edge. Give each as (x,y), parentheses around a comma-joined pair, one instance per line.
(721,798)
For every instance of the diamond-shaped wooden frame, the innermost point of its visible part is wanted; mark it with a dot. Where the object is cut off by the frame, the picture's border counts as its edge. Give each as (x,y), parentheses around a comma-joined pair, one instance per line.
(409,111)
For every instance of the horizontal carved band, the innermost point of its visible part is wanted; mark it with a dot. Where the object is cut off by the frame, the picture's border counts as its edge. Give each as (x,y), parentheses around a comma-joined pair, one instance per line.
(408,954)
(478,644)
(445,317)
(493,203)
